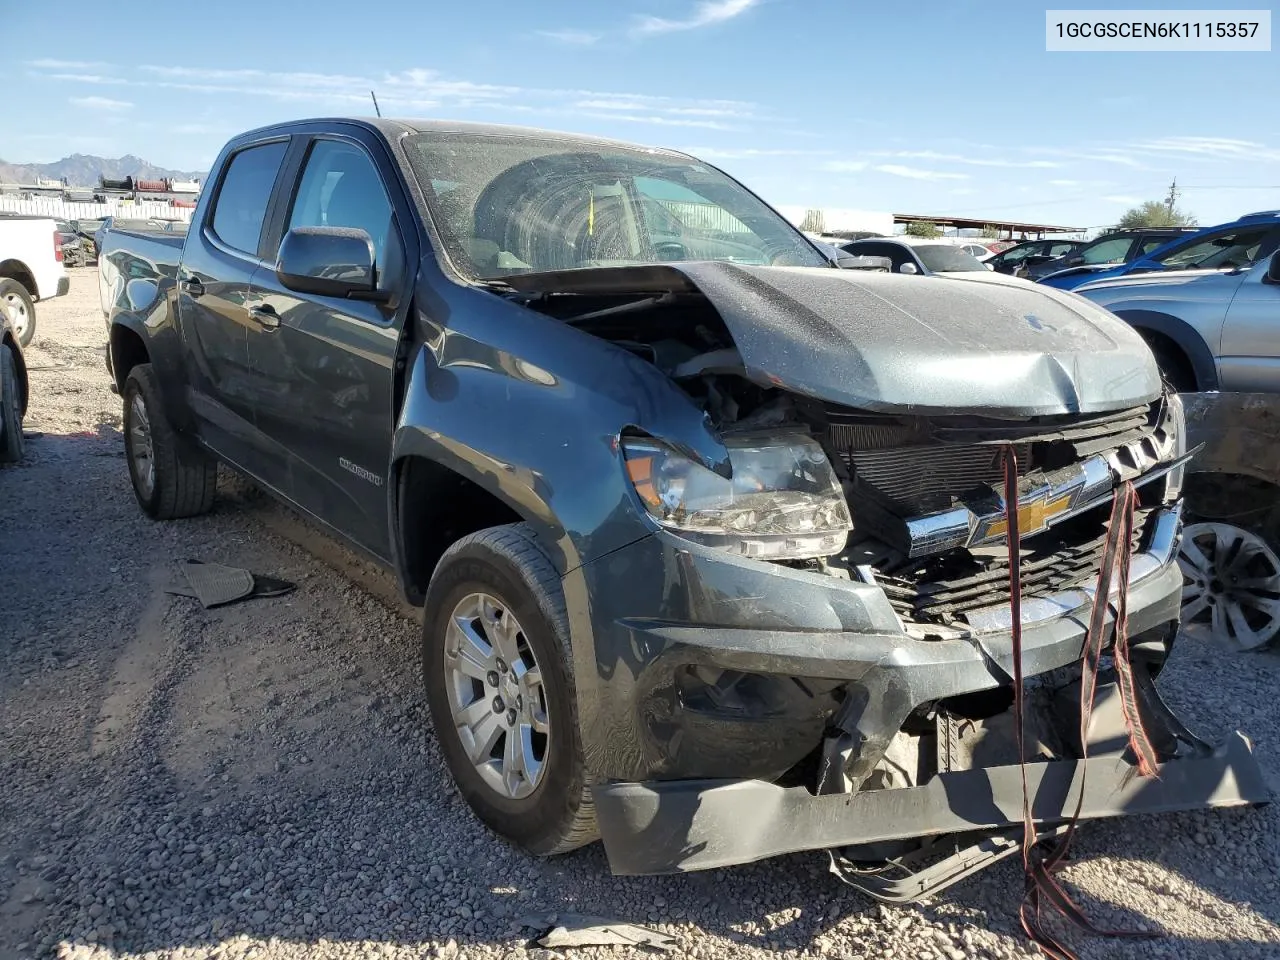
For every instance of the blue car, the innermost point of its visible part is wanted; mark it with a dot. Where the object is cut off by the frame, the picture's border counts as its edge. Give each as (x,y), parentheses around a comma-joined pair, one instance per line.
(1238,244)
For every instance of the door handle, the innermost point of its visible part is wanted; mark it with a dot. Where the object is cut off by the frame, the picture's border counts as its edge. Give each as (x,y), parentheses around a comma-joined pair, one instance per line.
(193,287)
(265,315)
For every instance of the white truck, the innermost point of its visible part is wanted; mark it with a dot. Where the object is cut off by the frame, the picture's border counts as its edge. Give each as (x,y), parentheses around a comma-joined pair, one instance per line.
(31,270)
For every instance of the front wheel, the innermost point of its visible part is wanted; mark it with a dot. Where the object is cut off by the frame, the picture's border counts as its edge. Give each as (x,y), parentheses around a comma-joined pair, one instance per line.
(172,477)
(17,303)
(11,440)
(499,675)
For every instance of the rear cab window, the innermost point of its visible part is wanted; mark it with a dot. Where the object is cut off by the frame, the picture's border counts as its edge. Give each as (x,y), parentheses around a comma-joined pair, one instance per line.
(240,207)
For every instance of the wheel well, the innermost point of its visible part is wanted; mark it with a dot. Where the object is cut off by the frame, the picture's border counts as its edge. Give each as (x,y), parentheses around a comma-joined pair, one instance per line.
(127,351)
(17,270)
(1174,362)
(436,508)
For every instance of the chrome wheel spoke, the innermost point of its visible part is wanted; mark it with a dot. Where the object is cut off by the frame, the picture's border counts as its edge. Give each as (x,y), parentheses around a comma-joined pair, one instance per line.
(480,738)
(1193,609)
(471,655)
(1194,556)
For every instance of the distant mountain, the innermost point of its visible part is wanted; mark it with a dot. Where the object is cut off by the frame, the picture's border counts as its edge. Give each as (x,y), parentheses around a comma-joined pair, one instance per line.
(83,170)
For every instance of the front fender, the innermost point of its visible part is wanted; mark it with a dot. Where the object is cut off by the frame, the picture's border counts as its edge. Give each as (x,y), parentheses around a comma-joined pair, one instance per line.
(531,410)
(1181,333)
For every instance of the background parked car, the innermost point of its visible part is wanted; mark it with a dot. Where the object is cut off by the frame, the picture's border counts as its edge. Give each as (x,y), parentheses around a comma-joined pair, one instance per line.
(917,257)
(30,270)
(1239,244)
(1210,329)
(1119,246)
(1032,251)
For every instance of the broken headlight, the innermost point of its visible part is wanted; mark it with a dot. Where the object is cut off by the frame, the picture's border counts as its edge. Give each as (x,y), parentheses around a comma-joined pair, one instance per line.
(782,502)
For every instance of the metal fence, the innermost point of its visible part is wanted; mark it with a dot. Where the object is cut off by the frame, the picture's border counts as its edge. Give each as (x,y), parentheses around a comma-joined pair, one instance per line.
(65,210)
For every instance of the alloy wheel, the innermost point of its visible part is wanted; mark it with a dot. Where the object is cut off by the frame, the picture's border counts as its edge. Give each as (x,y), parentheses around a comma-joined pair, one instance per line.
(496,695)
(141,451)
(1231,583)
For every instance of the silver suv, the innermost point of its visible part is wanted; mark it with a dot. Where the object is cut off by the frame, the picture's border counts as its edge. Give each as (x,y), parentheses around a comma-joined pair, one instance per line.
(1210,328)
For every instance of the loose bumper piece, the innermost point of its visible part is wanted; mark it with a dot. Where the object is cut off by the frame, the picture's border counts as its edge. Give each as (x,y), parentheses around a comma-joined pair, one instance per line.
(680,826)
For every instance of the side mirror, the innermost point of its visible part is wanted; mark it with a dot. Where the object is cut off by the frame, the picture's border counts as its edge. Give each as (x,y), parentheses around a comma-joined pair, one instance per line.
(908,268)
(1273,269)
(329,262)
(849,261)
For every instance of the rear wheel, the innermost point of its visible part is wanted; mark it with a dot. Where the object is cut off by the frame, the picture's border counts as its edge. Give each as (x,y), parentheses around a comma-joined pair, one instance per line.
(20,308)
(499,676)
(172,476)
(11,441)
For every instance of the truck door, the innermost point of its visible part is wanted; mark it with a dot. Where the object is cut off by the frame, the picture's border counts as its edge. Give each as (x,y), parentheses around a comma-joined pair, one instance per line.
(323,369)
(218,263)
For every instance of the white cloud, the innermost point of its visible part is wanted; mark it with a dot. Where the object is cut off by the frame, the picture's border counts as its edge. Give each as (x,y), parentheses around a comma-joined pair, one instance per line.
(101,103)
(660,121)
(844,166)
(65,64)
(1211,148)
(577,38)
(970,161)
(915,173)
(1120,198)
(651,103)
(95,79)
(716,153)
(705,14)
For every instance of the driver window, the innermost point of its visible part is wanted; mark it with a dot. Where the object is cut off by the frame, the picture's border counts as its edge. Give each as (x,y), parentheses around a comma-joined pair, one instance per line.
(341,187)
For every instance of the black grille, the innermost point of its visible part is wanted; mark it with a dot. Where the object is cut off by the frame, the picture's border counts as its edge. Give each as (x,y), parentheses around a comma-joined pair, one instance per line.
(917,480)
(943,588)
(917,465)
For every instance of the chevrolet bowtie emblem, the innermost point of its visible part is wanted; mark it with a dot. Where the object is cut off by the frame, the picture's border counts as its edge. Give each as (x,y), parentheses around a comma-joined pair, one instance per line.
(1034,515)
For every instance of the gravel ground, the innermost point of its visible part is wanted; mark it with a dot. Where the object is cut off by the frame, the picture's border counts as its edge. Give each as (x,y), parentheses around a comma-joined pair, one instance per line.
(262,781)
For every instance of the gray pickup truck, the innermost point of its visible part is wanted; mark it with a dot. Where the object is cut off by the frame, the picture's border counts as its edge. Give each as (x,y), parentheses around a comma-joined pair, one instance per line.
(709,533)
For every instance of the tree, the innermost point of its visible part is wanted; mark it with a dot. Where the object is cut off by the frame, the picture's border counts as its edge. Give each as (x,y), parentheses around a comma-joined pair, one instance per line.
(923,228)
(814,222)
(990,233)
(1158,213)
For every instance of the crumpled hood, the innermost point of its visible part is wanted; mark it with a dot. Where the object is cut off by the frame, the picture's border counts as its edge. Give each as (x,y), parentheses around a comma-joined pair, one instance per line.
(978,343)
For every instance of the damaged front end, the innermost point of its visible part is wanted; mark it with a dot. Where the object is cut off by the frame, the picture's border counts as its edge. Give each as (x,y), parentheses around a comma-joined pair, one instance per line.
(826,658)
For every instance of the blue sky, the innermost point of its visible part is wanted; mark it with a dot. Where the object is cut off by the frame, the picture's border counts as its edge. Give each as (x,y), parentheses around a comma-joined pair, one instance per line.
(938,107)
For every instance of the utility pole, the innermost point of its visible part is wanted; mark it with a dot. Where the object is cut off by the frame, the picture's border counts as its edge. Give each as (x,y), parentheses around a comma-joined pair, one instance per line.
(1172,199)
(375,103)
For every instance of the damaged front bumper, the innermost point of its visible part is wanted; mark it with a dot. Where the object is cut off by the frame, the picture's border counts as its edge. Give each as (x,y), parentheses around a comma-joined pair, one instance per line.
(694,773)
(684,825)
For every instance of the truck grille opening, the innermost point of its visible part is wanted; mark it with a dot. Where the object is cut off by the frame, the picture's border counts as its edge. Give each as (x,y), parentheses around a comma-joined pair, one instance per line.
(942,588)
(916,466)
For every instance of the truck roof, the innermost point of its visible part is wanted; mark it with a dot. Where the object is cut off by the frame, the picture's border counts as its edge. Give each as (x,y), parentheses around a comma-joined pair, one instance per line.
(391,128)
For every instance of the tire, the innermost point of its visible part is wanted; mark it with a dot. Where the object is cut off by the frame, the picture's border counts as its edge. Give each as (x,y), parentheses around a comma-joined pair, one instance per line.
(172,477)
(17,302)
(507,565)
(12,444)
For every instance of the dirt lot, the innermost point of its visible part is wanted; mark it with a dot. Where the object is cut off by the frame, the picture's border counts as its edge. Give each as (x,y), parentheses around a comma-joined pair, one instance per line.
(262,780)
